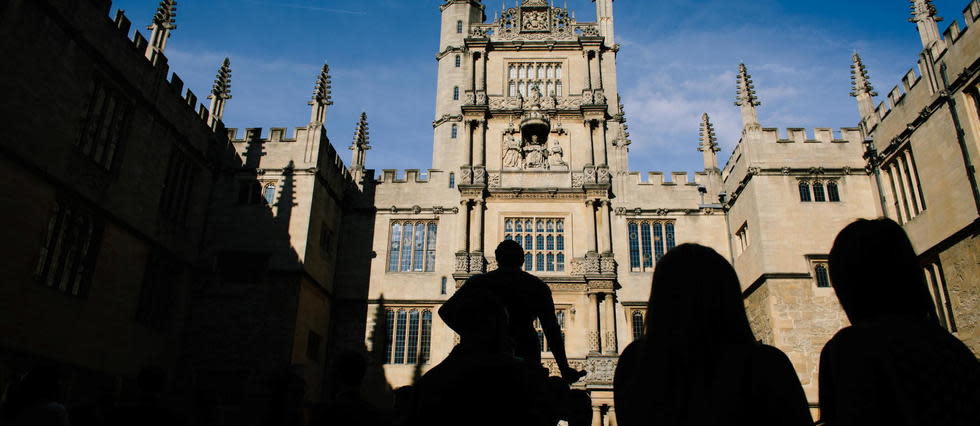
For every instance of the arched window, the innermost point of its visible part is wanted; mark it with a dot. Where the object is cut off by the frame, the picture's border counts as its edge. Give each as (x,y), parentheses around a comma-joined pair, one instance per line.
(512,72)
(551,262)
(669,228)
(540,262)
(551,226)
(456,93)
(528,242)
(805,192)
(408,231)
(818,193)
(459,61)
(417,264)
(647,245)
(637,324)
(459,27)
(558,73)
(522,72)
(430,248)
(396,238)
(560,262)
(509,237)
(442,287)
(540,226)
(270,193)
(512,90)
(528,262)
(558,89)
(390,326)
(833,193)
(509,225)
(658,237)
(518,226)
(823,279)
(560,245)
(454,133)
(551,242)
(540,242)
(560,225)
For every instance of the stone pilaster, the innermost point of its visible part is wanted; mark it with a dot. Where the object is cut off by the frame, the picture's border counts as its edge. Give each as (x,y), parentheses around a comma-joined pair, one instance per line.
(593,318)
(593,241)
(609,343)
(462,233)
(480,149)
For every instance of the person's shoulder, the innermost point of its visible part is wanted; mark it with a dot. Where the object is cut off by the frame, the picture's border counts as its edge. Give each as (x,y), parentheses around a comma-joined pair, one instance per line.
(768,355)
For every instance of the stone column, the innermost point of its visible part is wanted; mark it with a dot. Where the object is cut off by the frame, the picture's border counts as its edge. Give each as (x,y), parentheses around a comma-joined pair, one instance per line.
(476,234)
(593,241)
(593,318)
(609,343)
(467,143)
(611,415)
(604,160)
(481,72)
(591,125)
(588,70)
(598,70)
(596,415)
(605,230)
(594,82)
(480,154)
(463,230)
(904,187)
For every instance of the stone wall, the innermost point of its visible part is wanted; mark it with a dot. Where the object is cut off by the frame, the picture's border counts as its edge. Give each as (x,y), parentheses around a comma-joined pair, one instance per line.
(961,265)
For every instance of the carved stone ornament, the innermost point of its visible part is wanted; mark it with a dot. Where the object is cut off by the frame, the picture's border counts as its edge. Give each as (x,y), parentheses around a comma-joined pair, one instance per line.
(416,209)
(620,211)
(846,170)
(479,176)
(455,210)
(610,341)
(491,263)
(578,179)
(438,210)
(593,264)
(462,262)
(637,211)
(535,20)
(446,118)
(601,370)
(576,266)
(786,170)
(494,180)
(478,264)
(602,175)
(594,341)
(608,265)
(393,209)
(466,175)
(754,171)
(816,171)
(480,31)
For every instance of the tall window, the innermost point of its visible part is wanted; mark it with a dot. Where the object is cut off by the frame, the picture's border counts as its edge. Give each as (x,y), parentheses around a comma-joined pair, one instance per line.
(742,239)
(68,253)
(649,240)
(936,281)
(637,321)
(459,27)
(805,192)
(409,335)
(906,190)
(543,343)
(103,125)
(412,247)
(177,189)
(454,131)
(270,193)
(833,193)
(543,240)
(442,288)
(459,61)
(456,93)
(452,180)
(821,275)
(818,193)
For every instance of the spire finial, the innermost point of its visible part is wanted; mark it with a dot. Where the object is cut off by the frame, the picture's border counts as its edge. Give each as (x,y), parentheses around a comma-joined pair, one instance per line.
(321,91)
(709,141)
(361,133)
(861,83)
(165,16)
(746,98)
(222,81)
(321,96)
(220,92)
(925,19)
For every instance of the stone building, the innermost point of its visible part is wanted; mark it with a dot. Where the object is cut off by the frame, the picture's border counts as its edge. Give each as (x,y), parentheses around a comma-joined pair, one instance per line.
(222,264)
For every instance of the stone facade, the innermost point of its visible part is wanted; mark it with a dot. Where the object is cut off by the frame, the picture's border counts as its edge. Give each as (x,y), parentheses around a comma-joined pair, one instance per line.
(245,227)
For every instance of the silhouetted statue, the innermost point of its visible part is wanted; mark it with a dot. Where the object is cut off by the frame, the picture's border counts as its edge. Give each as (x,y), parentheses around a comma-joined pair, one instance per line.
(895,365)
(481,382)
(347,406)
(149,408)
(34,400)
(698,362)
(526,298)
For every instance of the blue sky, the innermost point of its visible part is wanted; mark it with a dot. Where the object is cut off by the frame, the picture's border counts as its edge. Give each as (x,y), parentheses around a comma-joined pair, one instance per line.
(678,59)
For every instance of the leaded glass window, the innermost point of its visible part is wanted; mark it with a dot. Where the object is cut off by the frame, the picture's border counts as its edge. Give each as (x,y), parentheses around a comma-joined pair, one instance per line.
(543,240)
(413,246)
(409,335)
(637,322)
(818,193)
(833,193)
(805,192)
(649,240)
(543,343)
(823,278)
(523,76)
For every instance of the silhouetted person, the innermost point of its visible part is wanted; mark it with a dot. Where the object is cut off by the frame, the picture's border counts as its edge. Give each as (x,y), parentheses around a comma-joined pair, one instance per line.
(149,408)
(526,298)
(481,382)
(698,362)
(347,406)
(894,365)
(34,401)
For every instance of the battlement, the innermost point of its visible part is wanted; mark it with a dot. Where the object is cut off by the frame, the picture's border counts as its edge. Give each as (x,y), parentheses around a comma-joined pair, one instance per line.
(411,176)
(812,136)
(276,134)
(159,62)
(671,179)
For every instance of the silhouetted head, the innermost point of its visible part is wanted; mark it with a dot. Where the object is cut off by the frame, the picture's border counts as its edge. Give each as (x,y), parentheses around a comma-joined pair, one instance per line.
(875,272)
(349,367)
(696,301)
(509,254)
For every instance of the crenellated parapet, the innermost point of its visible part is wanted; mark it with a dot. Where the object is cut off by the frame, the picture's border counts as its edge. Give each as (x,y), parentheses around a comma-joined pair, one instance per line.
(411,176)
(669,179)
(280,147)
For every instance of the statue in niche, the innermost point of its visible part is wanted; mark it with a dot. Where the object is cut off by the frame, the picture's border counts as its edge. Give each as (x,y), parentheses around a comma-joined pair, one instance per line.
(534,98)
(513,157)
(556,156)
(535,154)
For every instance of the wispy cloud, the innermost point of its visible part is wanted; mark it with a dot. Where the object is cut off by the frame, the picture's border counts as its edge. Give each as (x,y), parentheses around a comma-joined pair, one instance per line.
(310,7)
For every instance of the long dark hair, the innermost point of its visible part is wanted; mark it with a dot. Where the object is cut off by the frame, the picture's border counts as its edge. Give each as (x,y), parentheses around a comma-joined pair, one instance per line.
(695,310)
(875,272)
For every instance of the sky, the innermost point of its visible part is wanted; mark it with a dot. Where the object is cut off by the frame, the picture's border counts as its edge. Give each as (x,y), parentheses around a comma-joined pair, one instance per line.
(678,59)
